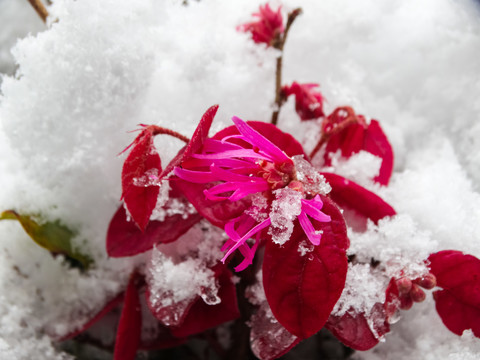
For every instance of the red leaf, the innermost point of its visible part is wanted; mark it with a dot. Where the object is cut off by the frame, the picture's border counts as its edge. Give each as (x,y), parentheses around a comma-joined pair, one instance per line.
(376,143)
(196,142)
(124,238)
(109,306)
(355,329)
(268,338)
(302,290)
(348,194)
(130,324)
(358,136)
(217,212)
(458,304)
(352,330)
(142,162)
(202,316)
(170,315)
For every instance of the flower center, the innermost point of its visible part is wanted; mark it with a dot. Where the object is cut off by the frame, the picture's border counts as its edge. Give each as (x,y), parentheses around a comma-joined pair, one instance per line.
(277,176)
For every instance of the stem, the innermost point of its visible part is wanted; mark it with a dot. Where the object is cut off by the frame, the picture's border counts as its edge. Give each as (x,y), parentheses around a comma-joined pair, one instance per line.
(351,119)
(40,9)
(157,130)
(279,44)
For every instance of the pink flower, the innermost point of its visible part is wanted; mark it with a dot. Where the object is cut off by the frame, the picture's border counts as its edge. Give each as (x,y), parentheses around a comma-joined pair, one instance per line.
(267,27)
(246,164)
(308,102)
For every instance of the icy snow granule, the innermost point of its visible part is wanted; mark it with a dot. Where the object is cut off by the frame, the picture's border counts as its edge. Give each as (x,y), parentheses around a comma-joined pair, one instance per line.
(285,209)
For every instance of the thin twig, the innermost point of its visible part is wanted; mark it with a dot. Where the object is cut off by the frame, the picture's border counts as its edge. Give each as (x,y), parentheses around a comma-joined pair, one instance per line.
(157,130)
(279,44)
(40,9)
(351,119)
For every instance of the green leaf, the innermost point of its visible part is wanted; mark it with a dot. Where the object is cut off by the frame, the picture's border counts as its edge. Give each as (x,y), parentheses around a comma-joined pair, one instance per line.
(53,236)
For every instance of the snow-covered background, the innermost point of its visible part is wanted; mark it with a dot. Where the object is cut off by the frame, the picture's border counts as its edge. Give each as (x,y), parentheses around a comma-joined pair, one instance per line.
(84,81)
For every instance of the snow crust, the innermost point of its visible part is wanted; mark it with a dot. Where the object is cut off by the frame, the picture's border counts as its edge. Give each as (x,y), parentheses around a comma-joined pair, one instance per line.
(109,65)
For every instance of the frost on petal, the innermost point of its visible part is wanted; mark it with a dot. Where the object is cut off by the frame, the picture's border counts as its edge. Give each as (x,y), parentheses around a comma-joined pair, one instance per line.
(313,182)
(268,338)
(202,315)
(174,287)
(359,318)
(284,211)
(124,238)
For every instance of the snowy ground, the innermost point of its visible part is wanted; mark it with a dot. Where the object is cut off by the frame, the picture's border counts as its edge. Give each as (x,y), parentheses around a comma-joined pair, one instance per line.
(106,66)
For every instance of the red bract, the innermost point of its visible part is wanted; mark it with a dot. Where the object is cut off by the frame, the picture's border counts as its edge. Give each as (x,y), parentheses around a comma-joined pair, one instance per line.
(302,283)
(308,102)
(130,325)
(458,303)
(350,133)
(124,238)
(201,316)
(349,195)
(195,315)
(267,28)
(354,331)
(139,174)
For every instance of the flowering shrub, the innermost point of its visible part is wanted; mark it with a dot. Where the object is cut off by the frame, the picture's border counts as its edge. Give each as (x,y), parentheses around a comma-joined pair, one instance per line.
(244,226)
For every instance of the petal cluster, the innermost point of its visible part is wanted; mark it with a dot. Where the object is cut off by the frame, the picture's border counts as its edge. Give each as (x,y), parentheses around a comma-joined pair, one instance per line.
(247,165)
(308,101)
(268,26)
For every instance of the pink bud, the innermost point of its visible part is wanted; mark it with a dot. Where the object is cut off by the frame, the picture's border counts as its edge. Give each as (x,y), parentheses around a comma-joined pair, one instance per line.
(406,302)
(404,286)
(428,282)
(417,294)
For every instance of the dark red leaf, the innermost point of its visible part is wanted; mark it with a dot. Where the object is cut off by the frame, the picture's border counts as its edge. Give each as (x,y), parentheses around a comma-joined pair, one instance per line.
(130,324)
(196,142)
(268,338)
(109,306)
(302,290)
(352,330)
(169,315)
(355,329)
(124,238)
(350,195)
(141,163)
(201,316)
(376,143)
(359,136)
(458,304)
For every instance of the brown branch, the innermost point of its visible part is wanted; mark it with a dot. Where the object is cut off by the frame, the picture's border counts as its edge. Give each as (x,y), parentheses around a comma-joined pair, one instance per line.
(279,44)
(40,9)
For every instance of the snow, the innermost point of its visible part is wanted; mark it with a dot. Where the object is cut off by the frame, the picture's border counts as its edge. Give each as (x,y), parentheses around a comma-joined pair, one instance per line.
(105,67)
(285,209)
